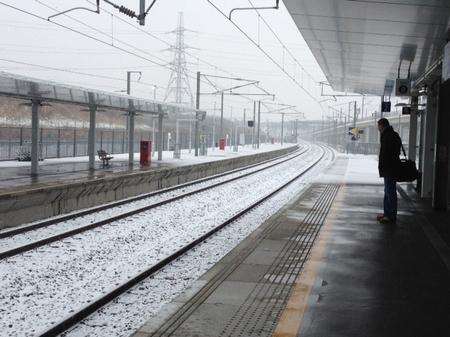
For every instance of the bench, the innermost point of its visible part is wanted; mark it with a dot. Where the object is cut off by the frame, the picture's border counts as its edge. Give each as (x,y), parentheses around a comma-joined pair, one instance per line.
(105,157)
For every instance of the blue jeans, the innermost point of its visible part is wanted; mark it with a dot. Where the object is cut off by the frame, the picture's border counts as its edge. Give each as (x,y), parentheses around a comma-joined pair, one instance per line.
(390,198)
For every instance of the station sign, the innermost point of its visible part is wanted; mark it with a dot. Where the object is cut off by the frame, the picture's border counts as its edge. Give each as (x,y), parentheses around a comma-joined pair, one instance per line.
(403,87)
(200,115)
(385,106)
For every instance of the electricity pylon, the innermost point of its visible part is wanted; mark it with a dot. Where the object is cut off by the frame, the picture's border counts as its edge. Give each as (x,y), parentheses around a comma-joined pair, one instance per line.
(179,88)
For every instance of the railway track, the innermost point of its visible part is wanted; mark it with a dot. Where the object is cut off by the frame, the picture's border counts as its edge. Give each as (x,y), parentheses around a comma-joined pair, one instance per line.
(101,301)
(80,229)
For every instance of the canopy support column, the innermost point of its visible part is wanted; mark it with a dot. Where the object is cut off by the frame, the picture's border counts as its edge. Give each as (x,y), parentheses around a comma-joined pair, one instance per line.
(440,191)
(160,132)
(35,104)
(91,135)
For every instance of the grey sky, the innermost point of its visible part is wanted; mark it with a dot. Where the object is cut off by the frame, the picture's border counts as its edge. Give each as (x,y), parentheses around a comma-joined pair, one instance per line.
(27,39)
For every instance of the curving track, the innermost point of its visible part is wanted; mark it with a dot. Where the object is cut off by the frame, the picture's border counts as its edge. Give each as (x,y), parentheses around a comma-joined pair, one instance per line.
(23,239)
(209,220)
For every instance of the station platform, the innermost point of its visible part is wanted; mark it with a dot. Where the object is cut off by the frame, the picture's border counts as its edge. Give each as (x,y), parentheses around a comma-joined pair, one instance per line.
(323,266)
(66,184)
(16,176)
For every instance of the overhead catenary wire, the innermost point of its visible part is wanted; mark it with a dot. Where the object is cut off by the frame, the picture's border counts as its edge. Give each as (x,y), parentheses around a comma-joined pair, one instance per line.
(75,72)
(37,16)
(161,40)
(88,36)
(82,33)
(280,41)
(265,53)
(140,29)
(106,34)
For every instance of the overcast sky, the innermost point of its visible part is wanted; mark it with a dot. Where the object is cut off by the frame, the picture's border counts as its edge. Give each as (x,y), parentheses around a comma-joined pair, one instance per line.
(218,49)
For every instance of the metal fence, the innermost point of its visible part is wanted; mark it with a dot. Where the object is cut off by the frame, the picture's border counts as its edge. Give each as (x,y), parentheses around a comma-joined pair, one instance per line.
(59,143)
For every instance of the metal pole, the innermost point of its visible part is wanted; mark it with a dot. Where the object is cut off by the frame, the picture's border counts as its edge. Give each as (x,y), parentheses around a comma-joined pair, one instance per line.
(244,129)
(362,107)
(190,136)
(197,106)
(214,128)
(259,125)
(354,114)
(74,142)
(127,117)
(381,110)
(142,12)
(153,136)
(112,141)
(131,138)
(58,145)
(128,82)
(253,128)
(34,136)
(91,134)
(160,132)
(282,128)
(221,116)
(236,140)
(413,128)
(177,148)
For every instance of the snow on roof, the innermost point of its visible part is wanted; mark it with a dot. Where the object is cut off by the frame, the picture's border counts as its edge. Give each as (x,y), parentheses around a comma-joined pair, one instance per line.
(18,86)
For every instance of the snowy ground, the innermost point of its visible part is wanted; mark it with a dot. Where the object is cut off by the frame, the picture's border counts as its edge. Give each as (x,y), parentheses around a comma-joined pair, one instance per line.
(186,157)
(28,237)
(361,169)
(42,286)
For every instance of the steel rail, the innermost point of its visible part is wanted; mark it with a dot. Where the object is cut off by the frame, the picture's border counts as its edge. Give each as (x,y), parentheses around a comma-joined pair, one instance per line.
(58,237)
(95,305)
(91,210)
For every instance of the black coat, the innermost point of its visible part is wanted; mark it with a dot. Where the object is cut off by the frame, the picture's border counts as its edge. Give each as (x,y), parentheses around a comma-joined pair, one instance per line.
(388,161)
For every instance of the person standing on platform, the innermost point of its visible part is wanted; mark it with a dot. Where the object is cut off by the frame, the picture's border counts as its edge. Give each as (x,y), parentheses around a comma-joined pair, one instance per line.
(388,163)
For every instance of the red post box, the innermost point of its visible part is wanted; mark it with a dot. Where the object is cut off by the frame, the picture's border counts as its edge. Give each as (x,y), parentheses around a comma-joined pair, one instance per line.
(222,144)
(146,152)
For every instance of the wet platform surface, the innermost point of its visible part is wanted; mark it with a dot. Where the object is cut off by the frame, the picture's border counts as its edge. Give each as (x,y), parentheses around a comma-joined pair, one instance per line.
(359,278)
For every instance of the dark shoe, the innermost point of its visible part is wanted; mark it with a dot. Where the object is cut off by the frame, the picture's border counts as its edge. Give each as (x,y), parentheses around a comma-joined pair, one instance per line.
(386,221)
(380,216)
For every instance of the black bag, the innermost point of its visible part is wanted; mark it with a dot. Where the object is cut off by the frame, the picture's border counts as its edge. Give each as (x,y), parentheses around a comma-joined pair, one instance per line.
(407,171)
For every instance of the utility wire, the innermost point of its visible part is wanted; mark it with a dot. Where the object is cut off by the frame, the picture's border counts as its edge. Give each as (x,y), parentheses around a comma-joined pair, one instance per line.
(264,52)
(89,37)
(170,45)
(103,33)
(74,72)
(83,34)
(279,40)
(160,39)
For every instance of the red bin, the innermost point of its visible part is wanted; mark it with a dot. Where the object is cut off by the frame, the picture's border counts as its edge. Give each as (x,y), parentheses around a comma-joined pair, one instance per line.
(146,152)
(222,144)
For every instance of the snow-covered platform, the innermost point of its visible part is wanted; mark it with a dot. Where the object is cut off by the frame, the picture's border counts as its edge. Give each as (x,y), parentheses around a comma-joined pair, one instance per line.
(66,184)
(323,266)
(15,175)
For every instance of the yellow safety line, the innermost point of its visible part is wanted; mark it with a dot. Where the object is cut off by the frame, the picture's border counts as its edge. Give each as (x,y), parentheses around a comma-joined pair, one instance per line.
(291,319)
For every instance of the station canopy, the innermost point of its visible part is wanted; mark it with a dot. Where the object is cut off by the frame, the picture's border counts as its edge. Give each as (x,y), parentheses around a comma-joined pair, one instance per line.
(21,87)
(359,43)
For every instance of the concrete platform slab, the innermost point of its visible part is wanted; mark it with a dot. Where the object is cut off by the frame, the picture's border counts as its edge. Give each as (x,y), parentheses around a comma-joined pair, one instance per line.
(356,278)
(245,292)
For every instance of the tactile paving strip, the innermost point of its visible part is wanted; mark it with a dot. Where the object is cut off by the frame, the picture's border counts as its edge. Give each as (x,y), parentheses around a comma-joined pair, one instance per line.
(259,313)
